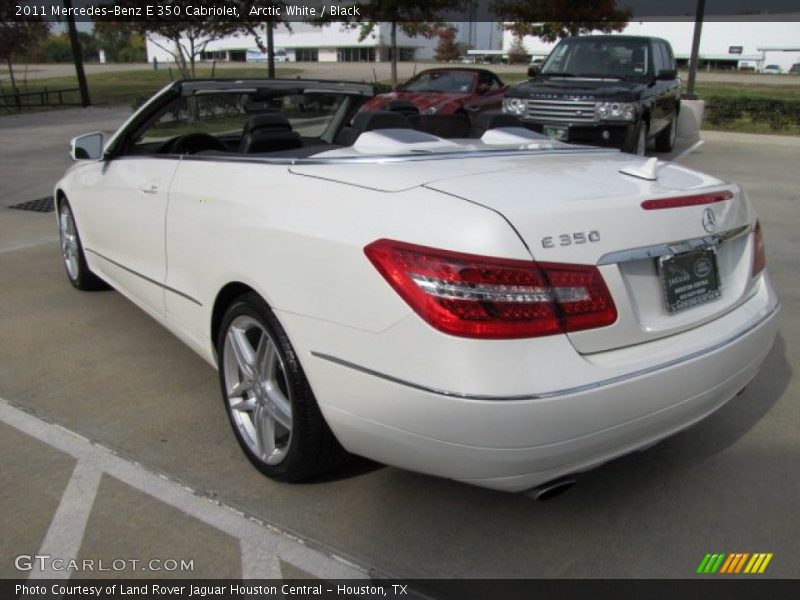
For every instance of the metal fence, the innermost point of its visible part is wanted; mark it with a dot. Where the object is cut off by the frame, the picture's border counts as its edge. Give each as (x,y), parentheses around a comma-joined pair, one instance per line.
(41,98)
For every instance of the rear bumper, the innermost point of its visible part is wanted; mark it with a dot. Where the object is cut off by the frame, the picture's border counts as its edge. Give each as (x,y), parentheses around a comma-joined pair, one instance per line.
(514,444)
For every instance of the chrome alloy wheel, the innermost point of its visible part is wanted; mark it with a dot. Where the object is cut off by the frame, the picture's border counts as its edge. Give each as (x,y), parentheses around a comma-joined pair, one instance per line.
(257,389)
(70,249)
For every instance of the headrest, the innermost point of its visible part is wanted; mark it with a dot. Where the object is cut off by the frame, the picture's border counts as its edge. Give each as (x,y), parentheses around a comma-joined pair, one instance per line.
(267,121)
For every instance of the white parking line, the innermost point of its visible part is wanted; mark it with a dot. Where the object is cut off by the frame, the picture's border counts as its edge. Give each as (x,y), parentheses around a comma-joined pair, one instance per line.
(258,541)
(63,538)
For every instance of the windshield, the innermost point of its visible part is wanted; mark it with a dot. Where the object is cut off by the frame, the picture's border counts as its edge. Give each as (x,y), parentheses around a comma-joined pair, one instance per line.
(593,57)
(227,115)
(450,82)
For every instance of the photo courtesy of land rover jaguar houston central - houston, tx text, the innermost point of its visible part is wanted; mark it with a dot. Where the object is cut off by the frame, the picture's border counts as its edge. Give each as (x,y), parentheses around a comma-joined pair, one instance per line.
(502,308)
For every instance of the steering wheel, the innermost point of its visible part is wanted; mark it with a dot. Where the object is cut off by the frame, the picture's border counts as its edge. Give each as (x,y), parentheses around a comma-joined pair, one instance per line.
(192,143)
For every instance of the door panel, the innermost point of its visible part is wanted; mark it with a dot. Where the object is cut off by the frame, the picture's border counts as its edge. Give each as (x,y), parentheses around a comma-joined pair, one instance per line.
(124,210)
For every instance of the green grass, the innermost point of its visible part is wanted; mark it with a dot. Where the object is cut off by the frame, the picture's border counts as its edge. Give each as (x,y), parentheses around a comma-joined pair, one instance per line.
(125,86)
(748,126)
(778,92)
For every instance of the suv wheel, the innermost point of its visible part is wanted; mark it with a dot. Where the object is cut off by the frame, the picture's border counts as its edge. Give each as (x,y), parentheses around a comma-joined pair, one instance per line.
(665,141)
(637,143)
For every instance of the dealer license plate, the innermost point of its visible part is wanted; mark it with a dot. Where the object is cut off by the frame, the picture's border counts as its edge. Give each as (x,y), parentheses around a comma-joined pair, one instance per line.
(557,133)
(689,279)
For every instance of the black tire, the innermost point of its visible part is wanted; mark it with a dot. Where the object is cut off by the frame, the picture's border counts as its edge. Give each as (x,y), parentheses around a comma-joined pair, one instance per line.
(311,448)
(634,145)
(78,272)
(665,141)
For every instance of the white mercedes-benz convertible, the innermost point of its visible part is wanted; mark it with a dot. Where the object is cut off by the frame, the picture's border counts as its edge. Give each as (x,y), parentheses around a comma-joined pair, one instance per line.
(465,299)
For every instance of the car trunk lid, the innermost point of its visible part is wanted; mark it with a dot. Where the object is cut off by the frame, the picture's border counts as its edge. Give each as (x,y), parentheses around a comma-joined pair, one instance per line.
(576,206)
(585,211)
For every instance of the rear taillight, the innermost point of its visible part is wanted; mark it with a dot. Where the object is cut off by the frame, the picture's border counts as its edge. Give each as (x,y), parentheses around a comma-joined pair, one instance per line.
(482,297)
(759,256)
(681,201)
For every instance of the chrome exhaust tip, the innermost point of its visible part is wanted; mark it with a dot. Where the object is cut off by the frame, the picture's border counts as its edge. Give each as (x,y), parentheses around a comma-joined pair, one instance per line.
(550,490)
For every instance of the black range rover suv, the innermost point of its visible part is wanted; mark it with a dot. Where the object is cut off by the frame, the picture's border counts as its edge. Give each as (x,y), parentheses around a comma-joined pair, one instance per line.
(610,90)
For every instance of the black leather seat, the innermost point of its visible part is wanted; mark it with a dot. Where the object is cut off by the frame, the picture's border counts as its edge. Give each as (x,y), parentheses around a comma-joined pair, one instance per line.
(268,133)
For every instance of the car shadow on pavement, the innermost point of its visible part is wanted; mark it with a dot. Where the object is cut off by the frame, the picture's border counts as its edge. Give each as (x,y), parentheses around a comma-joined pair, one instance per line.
(354,466)
(731,422)
(711,436)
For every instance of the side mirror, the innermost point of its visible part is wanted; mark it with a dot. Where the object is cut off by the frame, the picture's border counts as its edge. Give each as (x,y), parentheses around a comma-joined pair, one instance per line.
(667,75)
(87,147)
(533,71)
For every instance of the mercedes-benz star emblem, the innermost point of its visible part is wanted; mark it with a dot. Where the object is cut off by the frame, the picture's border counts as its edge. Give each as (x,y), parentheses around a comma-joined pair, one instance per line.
(709,220)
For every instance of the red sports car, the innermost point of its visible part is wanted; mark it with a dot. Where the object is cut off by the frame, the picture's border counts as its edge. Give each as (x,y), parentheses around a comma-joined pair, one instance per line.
(446,91)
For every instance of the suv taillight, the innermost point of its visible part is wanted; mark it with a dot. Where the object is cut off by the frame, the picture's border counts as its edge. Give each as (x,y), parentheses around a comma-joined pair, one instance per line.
(482,297)
(759,256)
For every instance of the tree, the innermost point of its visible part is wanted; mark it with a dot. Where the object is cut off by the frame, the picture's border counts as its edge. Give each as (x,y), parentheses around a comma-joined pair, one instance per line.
(185,35)
(17,37)
(89,49)
(413,17)
(555,19)
(120,41)
(56,49)
(447,49)
(267,46)
(185,42)
(517,53)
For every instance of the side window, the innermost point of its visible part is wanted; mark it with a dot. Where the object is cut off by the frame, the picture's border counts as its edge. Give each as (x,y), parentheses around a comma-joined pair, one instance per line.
(658,57)
(558,59)
(226,122)
(667,62)
(219,116)
(669,58)
(310,114)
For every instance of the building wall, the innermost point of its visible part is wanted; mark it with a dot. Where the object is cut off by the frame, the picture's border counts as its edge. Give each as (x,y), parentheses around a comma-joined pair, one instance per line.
(717,38)
(303,35)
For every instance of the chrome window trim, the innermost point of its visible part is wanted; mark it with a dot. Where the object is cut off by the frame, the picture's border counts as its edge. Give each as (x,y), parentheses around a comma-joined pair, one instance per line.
(368,159)
(397,158)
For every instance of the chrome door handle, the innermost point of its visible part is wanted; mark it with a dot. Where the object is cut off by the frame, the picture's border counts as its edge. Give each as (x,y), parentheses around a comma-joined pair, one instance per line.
(150,189)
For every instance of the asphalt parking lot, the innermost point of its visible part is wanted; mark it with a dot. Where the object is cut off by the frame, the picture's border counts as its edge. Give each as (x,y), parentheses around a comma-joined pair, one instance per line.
(100,404)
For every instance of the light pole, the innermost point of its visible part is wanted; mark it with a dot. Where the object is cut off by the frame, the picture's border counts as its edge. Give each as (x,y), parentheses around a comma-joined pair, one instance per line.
(698,30)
